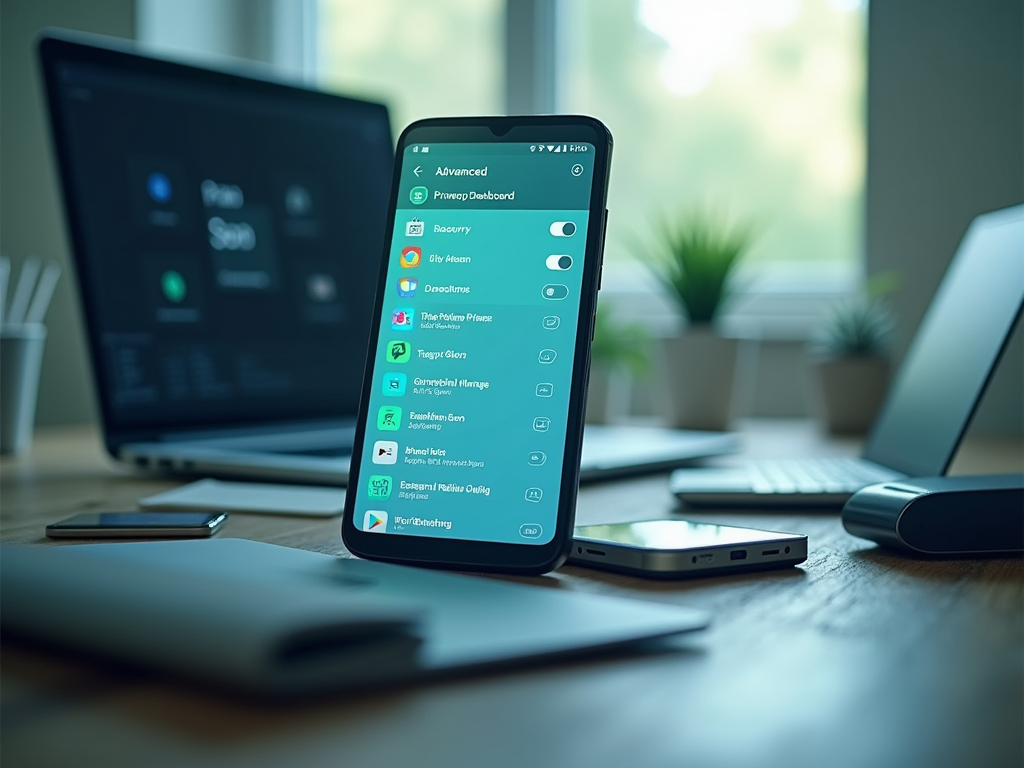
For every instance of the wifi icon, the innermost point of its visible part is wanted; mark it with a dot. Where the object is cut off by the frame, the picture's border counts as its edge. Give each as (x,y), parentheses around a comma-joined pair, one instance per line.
(551,147)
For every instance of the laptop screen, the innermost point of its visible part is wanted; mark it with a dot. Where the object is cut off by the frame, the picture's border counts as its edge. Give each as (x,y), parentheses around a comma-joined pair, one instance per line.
(955,350)
(227,233)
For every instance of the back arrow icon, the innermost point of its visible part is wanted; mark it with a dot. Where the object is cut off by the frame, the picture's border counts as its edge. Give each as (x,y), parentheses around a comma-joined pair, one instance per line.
(418,170)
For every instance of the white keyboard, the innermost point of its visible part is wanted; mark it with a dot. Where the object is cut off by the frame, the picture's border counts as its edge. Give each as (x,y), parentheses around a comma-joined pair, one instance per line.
(835,475)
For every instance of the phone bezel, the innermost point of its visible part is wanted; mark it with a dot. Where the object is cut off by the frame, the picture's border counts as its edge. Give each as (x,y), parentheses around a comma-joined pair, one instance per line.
(484,555)
(705,560)
(65,529)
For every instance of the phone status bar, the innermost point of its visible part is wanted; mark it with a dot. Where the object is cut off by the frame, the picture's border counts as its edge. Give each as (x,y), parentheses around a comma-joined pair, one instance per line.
(498,148)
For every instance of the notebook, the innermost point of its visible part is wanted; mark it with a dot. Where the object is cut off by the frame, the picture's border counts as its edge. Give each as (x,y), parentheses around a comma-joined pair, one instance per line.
(279,621)
(227,232)
(933,396)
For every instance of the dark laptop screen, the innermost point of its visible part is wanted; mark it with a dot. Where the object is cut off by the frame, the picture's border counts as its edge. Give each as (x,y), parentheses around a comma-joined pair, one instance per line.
(955,350)
(227,233)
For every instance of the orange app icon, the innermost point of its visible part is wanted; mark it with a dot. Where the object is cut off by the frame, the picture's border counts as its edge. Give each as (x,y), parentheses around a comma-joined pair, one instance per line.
(411,256)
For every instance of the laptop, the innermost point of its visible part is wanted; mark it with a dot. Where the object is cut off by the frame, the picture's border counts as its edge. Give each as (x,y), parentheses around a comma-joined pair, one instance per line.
(933,396)
(227,232)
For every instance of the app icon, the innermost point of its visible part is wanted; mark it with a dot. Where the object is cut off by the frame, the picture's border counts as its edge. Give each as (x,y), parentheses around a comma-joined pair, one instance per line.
(407,287)
(321,288)
(418,196)
(398,352)
(159,187)
(389,418)
(414,228)
(541,424)
(545,390)
(532,494)
(559,228)
(411,256)
(558,261)
(393,384)
(375,520)
(530,530)
(401,319)
(385,452)
(297,200)
(379,487)
(551,322)
(547,356)
(173,286)
(536,458)
(554,291)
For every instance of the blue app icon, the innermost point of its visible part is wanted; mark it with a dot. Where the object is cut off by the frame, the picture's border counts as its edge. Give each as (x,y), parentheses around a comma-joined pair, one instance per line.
(407,287)
(159,187)
(393,384)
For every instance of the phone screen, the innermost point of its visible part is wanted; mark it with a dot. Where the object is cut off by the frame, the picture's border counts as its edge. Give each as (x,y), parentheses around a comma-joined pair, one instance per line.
(675,534)
(473,364)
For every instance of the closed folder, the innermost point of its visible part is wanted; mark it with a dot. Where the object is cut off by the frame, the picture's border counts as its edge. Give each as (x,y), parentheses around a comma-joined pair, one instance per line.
(282,621)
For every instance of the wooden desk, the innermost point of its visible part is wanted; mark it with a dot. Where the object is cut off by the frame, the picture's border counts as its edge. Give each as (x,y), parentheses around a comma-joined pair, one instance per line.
(858,658)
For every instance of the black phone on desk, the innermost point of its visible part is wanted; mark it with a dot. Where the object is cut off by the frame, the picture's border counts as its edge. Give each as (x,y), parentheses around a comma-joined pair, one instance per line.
(138,525)
(467,445)
(670,549)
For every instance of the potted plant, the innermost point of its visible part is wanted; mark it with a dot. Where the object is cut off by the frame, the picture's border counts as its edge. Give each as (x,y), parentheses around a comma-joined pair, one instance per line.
(618,348)
(693,257)
(850,358)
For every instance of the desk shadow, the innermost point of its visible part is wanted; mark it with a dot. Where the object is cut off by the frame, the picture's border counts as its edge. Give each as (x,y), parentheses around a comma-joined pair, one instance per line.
(687,510)
(990,569)
(215,714)
(623,581)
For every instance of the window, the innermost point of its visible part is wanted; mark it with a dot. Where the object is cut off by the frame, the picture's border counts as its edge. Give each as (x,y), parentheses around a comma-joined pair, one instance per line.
(429,59)
(754,105)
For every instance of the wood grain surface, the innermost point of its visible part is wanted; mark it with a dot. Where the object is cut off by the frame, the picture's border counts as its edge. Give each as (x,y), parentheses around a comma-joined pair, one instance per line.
(859,657)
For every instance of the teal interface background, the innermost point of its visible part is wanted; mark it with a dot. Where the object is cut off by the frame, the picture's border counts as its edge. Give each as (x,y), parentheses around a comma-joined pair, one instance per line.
(473,365)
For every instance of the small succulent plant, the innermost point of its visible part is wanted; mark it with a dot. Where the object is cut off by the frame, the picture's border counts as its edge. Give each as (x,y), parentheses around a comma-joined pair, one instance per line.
(859,326)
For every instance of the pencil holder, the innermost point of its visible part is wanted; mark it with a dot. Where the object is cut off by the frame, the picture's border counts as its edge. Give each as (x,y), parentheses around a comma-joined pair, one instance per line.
(21,358)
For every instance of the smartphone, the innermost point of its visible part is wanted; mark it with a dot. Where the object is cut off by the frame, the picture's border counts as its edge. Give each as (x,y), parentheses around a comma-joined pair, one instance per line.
(674,548)
(138,525)
(467,446)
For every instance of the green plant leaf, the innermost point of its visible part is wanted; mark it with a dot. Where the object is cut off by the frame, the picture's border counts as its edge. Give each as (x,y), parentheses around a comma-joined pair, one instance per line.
(693,256)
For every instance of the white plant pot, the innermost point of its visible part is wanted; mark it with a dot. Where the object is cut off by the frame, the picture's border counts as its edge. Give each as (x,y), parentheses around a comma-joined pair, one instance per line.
(700,367)
(851,390)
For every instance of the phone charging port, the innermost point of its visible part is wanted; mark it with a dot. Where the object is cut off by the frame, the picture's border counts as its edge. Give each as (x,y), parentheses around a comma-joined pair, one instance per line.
(738,554)
(597,552)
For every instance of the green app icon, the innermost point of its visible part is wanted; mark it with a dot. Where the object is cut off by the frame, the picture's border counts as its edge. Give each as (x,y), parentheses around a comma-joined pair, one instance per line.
(173,286)
(418,195)
(389,418)
(379,487)
(398,352)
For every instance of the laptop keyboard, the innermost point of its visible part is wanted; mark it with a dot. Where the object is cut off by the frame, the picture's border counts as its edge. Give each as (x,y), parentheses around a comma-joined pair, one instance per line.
(837,475)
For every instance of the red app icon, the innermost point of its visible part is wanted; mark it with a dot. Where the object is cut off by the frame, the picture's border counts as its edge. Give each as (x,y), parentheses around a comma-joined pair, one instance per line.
(411,256)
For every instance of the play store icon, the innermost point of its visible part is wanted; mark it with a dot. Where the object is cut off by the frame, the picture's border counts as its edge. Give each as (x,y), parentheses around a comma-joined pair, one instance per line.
(375,520)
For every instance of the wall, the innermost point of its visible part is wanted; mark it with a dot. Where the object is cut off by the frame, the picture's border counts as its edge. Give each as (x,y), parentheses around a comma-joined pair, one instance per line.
(945,143)
(31,220)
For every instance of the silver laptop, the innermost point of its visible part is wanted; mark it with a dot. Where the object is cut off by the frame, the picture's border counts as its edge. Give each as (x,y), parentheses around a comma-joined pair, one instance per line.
(227,233)
(933,396)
